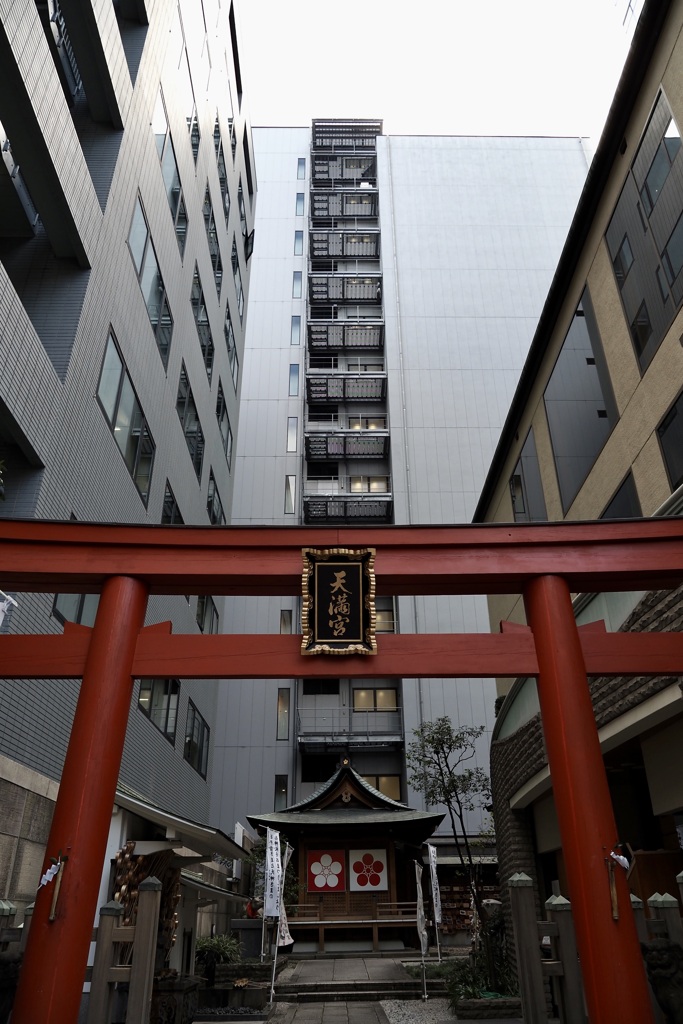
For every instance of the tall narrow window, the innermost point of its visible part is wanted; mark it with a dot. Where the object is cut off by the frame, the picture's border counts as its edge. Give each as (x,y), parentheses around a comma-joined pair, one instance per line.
(201,319)
(170,513)
(214,505)
(196,751)
(224,423)
(207,614)
(158,699)
(298,243)
(286,621)
(295,336)
(670,435)
(290,494)
(292,431)
(169,172)
(237,275)
(301,167)
(212,239)
(283,713)
(126,420)
(151,281)
(293,380)
(296,284)
(231,346)
(299,204)
(189,418)
(222,170)
(280,801)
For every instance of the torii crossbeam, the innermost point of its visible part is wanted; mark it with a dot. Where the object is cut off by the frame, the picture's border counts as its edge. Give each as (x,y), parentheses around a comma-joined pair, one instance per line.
(544,563)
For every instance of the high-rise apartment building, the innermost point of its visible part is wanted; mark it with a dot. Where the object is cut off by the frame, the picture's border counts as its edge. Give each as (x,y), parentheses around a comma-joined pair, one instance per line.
(127,193)
(396,285)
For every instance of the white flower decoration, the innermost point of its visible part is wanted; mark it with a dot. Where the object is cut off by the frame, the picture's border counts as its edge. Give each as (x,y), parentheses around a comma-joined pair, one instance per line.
(326,871)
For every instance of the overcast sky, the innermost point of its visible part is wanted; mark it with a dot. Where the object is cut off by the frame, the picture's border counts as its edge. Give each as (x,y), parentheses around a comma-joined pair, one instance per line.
(435,67)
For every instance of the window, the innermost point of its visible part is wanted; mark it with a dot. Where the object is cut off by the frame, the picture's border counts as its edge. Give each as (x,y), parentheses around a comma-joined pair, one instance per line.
(81,608)
(299,204)
(526,489)
(125,417)
(301,167)
(672,257)
(385,620)
(670,434)
(286,621)
(247,165)
(660,167)
(189,418)
(151,281)
(293,380)
(367,422)
(242,209)
(235,56)
(201,319)
(222,170)
(625,504)
(189,105)
(295,336)
(231,346)
(236,273)
(170,512)
(641,329)
(224,424)
(387,785)
(320,688)
(290,494)
(214,505)
(158,699)
(375,700)
(296,284)
(207,614)
(212,239)
(283,713)
(623,261)
(292,431)
(196,740)
(280,801)
(169,172)
(298,243)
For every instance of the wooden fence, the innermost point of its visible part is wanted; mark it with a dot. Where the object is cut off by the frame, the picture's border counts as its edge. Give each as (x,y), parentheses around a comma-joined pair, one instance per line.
(558,963)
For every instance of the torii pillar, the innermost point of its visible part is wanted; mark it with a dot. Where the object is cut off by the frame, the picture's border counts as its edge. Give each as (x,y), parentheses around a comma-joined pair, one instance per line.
(52,975)
(605,927)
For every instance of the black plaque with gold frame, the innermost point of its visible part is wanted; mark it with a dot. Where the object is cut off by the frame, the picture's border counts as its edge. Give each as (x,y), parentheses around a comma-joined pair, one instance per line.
(338,601)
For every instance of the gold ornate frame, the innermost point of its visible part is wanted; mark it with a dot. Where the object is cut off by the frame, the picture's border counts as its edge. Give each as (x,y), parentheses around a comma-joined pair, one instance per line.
(310,642)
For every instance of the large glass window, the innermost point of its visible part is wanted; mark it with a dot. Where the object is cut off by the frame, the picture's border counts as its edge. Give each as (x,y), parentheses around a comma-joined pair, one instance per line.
(189,418)
(660,167)
(387,785)
(158,699)
(201,319)
(207,614)
(623,261)
(170,513)
(169,172)
(579,403)
(526,490)
(80,608)
(126,419)
(375,700)
(151,281)
(672,257)
(625,503)
(670,433)
(196,751)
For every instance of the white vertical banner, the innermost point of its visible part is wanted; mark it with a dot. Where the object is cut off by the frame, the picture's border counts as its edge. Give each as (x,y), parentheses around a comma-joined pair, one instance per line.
(421,922)
(271,895)
(283,936)
(436,892)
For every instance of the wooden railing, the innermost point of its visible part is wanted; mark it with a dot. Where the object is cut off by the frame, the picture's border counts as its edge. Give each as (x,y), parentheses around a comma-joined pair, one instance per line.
(381,915)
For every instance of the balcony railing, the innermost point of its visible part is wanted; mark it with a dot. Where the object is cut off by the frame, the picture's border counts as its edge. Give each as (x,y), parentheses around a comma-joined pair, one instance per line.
(347,508)
(343,724)
(351,444)
(345,288)
(338,335)
(345,387)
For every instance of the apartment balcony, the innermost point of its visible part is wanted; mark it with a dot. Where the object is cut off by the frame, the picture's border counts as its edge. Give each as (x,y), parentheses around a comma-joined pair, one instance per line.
(335,288)
(338,335)
(340,205)
(340,386)
(342,728)
(324,446)
(352,499)
(344,244)
(358,170)
(339,134)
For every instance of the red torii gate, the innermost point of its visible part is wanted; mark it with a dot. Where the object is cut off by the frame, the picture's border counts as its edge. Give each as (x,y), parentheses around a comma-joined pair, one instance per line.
(544,563)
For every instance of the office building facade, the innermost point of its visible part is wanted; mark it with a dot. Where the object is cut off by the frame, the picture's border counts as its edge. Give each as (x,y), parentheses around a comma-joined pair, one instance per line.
(395,287)
(127,195)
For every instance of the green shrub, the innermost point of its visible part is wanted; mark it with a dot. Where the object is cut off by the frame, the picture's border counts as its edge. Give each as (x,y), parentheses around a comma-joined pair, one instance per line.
(466,978)
(215,949)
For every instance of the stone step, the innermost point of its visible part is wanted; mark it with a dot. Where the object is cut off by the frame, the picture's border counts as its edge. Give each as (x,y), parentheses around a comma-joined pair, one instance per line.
(356,991)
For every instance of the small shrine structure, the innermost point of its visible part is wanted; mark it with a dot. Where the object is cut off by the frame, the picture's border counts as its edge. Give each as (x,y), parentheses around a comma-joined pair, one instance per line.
(355,852)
